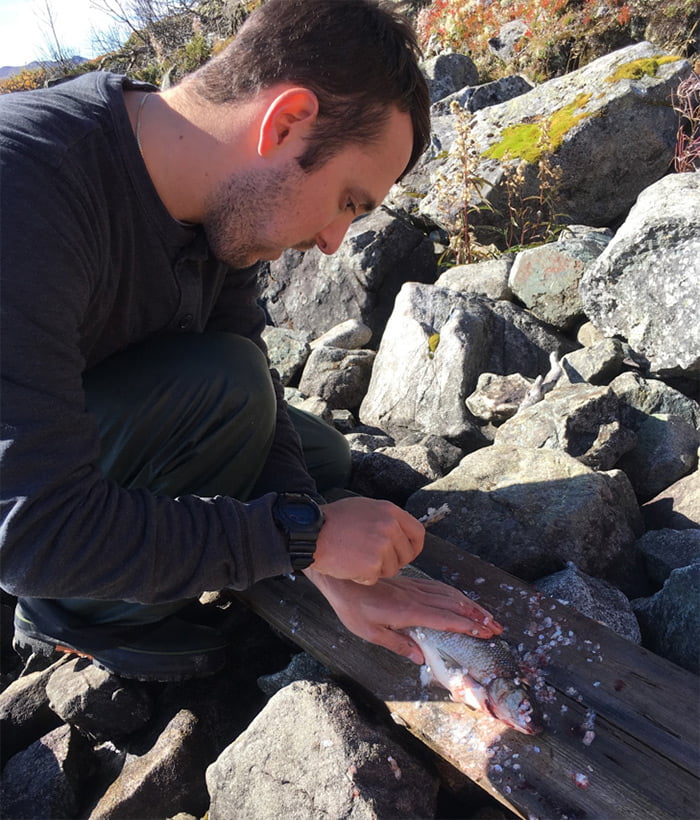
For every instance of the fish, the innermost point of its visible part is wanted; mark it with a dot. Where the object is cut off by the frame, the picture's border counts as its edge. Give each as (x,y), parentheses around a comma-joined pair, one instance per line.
(479,672)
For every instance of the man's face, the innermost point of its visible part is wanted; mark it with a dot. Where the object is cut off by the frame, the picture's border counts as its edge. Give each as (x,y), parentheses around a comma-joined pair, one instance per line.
(257,214)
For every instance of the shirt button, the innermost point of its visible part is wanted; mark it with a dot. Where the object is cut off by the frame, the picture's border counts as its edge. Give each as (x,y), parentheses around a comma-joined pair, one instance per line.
(185,321)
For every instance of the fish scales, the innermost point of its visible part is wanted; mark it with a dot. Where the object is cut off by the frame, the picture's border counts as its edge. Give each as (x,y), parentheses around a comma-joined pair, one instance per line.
(479,672)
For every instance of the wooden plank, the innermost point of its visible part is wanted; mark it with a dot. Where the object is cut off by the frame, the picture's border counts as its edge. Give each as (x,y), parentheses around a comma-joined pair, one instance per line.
(642,762)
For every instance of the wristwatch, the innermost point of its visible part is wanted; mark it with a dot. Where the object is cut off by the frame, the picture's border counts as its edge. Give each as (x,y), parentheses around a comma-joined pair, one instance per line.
(300,518)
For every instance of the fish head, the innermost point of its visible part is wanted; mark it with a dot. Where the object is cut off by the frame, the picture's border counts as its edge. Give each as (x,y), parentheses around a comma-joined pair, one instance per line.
(510,703)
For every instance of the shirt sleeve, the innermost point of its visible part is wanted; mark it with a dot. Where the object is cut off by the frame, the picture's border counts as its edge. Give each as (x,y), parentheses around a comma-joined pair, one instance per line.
(65,530)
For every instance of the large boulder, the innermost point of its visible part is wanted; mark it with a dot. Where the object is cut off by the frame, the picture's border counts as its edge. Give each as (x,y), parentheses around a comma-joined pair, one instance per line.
(531,511)
(310,753)
(645,286)
(436,344)
(316,292)
(609,127)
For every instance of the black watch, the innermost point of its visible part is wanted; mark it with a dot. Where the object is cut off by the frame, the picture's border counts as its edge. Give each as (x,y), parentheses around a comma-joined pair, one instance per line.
(300,518)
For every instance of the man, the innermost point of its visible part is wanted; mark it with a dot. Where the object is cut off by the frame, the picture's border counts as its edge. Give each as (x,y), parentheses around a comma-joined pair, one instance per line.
(148,454)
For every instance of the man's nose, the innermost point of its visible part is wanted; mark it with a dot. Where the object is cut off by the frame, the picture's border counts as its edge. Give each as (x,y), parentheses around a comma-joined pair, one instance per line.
(331,237)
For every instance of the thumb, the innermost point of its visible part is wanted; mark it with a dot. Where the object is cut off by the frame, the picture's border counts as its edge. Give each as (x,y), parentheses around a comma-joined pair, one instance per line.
(399,644)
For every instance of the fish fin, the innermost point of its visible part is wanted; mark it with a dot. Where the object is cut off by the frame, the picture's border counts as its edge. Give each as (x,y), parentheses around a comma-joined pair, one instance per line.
(448,660)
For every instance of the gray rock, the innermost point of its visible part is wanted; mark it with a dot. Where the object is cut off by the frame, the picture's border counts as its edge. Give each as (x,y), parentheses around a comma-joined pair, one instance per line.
(350,335)
(288,351)
(580,419)
(589,335)
(310,404)
(368,442)
(667,449)
(593,598)
(677,507)
(666,550)
(317,292)
(475,97)
(394,473)
(446,73)
(498,398)
(599,363)
(25,714)
(600,177)
(646,285)
(546,278)
(167,779)
(503,45)
(309,753)
(670,619)
(96,702)
(301,667)
(45,779)
(340,377)
(436,344)
(489,278)
(644,397)
(531,511)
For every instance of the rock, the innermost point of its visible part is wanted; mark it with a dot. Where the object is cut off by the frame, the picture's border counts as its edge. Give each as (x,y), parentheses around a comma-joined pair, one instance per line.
(677,507)
(317,292)
(45,779)
(340,377)
(505,43)
(446,73)
(546,278)
(301,667)
(167,779)
(368,442)
(646,285)
(435,345)
(588,335)
(666,550)
(531,511)
(489,278)
(96,702)
(599,363)
(350,335)
(626,93)
(580,419)
(670,619)
(498,398)
(593,598)
(288,351)
(309,753)
(309,404)
(25,714)
(666,450)
(645,397)
(393,473)
(475,97)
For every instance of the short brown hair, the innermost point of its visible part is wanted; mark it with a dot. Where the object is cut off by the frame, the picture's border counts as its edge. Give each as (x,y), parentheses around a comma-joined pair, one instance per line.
(358,56)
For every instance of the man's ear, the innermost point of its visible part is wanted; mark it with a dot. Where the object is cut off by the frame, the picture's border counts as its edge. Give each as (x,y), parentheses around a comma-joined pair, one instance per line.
(288,117)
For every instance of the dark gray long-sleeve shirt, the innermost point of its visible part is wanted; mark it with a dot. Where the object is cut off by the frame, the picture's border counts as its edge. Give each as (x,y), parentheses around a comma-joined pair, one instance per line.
(91,263)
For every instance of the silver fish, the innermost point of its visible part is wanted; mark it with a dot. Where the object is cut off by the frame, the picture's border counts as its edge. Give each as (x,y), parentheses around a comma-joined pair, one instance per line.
(479,672)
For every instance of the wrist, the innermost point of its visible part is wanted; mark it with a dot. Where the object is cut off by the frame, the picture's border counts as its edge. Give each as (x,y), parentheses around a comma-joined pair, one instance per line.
(299,518)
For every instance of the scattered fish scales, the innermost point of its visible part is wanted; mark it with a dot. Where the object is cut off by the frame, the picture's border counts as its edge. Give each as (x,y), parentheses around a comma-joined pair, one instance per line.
(481,673)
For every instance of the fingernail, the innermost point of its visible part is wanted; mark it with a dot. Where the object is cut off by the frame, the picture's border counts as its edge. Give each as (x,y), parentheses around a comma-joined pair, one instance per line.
(416,656)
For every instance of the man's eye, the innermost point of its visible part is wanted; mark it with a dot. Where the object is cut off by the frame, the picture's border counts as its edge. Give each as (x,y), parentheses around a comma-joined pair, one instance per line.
(350,205)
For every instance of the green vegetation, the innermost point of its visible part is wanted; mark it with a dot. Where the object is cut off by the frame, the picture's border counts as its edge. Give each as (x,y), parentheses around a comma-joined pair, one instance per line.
(636,69)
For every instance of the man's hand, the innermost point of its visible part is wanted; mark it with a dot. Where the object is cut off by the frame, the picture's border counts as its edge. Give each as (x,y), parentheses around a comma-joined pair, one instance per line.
(377,613)
(364,539)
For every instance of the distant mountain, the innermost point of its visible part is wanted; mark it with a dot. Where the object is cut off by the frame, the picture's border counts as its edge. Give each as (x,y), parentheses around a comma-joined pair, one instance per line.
(9,70)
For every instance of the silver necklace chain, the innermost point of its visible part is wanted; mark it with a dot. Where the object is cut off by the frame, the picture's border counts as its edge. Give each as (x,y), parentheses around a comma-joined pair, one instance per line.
(137,129)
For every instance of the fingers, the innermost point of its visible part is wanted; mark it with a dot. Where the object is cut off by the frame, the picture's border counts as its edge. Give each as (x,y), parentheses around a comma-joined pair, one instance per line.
(397,643)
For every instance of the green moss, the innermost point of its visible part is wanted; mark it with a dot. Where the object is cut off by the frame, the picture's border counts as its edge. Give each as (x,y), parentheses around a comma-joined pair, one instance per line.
(636,69)
(529,140)
(433,342)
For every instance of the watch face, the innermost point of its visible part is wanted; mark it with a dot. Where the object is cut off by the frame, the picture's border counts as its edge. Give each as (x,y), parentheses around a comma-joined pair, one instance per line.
(304,514)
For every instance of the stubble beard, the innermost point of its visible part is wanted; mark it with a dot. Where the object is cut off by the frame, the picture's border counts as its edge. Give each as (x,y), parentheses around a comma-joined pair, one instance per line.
(241,212)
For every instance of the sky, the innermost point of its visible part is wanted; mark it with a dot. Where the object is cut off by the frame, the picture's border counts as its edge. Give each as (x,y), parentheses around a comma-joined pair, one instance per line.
(22,29)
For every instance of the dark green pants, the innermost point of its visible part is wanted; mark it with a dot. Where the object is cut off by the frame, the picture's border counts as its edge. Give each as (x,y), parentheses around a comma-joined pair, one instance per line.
(194,414)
